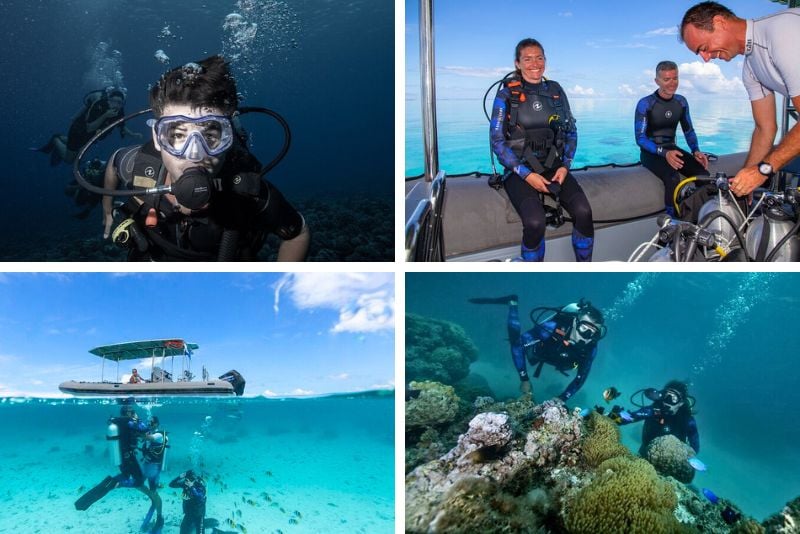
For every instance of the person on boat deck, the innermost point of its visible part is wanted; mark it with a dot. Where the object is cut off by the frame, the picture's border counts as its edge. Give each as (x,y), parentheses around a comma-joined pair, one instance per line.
(219,208)
(194,501)
(534,137)
(100,108)
(670,413)
(135,378)
(655,122)
(566,339)
(770,66)
(129,428)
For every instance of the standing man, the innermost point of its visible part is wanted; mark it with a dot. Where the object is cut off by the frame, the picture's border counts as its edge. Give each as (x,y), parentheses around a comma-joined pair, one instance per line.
(770,46)
(656,122)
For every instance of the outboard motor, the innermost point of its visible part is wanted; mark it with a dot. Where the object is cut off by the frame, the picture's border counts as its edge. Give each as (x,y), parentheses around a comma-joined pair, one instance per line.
(236,380)
(722,202)
(770,230)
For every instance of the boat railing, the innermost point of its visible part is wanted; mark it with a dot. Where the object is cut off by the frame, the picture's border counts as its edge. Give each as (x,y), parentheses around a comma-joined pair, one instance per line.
(424,234)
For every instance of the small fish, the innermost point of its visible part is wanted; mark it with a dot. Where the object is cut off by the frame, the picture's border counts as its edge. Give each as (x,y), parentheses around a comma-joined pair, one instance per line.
(268,473)
(292,521)
(266,496)
(251,502)
(238,512)
(585,412)
(282,509)
(243,499)
(81,489)
(697,464)
(298,515)
(609,394)
(710,496)
(252,479)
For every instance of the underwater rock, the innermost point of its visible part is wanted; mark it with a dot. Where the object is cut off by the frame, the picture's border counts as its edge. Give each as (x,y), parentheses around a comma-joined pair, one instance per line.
(436,404)
(437,350)
(486,431)
(554,440)
(670,456)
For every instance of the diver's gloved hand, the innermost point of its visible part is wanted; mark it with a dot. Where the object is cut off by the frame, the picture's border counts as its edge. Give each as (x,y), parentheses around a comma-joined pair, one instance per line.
(620,415)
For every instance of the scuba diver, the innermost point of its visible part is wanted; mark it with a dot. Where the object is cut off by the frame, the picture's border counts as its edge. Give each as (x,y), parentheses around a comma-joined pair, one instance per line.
(565,338)
(94,172)
(194,501)
(655,123)
(670,413)
(194,191)
(154,451)
(123,435)
(533,134)
(100,108)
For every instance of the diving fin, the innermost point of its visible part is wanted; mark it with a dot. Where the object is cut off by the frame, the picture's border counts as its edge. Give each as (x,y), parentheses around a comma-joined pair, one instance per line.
(96,493)
(47,148)
(507,299)
(158,526)
(148,517)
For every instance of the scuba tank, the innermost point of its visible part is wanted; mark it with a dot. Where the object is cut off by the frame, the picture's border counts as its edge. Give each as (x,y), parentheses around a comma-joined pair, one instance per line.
(722,203)
(112,436)
(164,454)
(770,230)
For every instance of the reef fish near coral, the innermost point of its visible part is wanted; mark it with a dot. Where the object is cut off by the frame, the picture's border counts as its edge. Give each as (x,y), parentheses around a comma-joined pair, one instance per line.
(697,464)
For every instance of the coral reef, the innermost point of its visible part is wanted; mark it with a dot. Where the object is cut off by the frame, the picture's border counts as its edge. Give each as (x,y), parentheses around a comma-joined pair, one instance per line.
(786,521)
(436,404)
(554,440)
(670,456)
(437,350)
(602,441)
(625,496)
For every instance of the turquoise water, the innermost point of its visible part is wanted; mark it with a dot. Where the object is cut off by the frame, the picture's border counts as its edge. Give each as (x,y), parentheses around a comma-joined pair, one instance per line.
(325,463)
(605,131)
(732,336)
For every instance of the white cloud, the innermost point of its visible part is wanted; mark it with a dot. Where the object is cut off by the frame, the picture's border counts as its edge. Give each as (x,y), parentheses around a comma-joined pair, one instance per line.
(365,301)
(494,73)
(626,90)
(708,78)
(340,376)
(268,393)
(581,91)
(299,391)
(671,30)
(565,14)
(387,385)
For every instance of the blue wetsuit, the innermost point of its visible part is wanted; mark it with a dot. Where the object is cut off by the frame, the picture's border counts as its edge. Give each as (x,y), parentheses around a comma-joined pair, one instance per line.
(547,343)
(655,124)
(545,132)
(658,422)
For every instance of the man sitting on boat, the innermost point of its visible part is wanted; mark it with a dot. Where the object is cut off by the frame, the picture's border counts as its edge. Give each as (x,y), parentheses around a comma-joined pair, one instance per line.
(136,378)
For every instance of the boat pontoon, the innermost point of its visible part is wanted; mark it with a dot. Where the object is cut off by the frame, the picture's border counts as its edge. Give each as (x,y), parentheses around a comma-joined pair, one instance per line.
(160,381)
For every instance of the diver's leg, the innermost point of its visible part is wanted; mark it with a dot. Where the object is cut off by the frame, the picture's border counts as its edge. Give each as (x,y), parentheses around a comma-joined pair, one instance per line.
(60,150)
(525,200)
(155,500)
(577,205)
(668,176)
(96,493)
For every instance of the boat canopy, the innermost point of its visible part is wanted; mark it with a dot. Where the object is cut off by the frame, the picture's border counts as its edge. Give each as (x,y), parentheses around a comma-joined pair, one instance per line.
(134,350)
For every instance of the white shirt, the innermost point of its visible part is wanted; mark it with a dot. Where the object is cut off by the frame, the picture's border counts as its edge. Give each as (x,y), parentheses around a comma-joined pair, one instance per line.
(772,50)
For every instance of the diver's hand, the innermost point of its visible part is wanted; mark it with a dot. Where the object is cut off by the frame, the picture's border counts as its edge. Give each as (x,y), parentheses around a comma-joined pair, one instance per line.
(746,180)
(674,159)
(702,159)
(108,221)
(560,175)
(525,388)
(538,182)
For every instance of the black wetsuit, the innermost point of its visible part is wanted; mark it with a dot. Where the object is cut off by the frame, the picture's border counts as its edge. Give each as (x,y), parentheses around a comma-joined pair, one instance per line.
(658,422)
(245,219)
(655,123)
(194,503)
(129,431)
(544,131)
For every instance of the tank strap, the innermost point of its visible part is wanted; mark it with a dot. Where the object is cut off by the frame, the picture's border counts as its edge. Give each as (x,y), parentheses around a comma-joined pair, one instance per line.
(516,97)
(763,244)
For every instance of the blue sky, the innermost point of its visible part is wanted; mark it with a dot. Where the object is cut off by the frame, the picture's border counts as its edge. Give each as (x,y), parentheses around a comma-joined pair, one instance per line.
(594,49)
(288,334)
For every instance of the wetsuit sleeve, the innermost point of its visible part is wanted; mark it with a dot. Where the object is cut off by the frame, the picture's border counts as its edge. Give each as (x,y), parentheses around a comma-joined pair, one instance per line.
(640,127)
(580,377)
(570,133)
(694,435)
(518,354)
(500,145)
(639,415)
(688,129)
(177,482)
(278,215)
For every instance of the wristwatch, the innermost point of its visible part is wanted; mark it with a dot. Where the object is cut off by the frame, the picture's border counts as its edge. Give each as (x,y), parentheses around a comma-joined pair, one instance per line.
(766,169)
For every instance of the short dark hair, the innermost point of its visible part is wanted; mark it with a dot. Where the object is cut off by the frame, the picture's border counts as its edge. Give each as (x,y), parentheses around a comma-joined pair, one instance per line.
(116,92)
(701,16)
(525,43)
(208,83)
(665,65)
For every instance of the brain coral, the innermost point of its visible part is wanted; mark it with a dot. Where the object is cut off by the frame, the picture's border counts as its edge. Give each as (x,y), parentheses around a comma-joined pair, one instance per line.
(437,350)
(670,456)
(626,496)
(436,404)
(602,442)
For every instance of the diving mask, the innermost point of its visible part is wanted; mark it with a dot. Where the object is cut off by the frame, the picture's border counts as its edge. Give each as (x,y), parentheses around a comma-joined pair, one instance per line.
(194,138)
(672,401)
